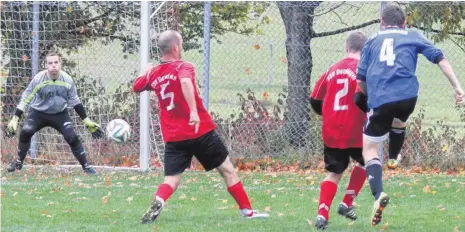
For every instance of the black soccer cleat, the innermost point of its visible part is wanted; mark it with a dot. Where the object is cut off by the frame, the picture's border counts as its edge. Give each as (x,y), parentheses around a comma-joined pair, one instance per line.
(153,212)
(321,223)
(89,170)
(17,164)
(348,212)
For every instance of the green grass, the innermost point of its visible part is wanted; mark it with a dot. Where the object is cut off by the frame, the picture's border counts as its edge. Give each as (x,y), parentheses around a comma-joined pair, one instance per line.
(45,200)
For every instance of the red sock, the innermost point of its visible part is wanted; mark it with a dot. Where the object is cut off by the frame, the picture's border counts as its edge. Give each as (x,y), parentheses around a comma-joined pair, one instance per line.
(164,191)
(237,191)
(328,190)
(357,179)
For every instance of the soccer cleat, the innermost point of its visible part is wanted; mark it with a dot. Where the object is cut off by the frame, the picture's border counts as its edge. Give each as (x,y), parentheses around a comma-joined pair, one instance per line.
(321,223)
(348,212)
(378,208)
(253,214)
(17,164)
(393,163)
(153,212)
(89,170)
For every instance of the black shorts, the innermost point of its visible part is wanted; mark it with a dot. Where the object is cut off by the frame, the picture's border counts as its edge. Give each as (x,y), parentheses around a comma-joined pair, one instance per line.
(380,119)
(337,160)
(209,150)
(37,120)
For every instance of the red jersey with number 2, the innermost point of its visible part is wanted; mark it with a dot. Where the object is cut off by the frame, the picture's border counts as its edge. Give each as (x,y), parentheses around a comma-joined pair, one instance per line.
(342,120)
(165,80)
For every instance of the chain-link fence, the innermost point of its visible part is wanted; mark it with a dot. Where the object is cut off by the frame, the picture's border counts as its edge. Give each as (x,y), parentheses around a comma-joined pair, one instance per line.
(264,58)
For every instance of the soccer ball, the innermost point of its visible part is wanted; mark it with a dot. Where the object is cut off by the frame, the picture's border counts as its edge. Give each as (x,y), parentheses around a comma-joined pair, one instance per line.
(118,130)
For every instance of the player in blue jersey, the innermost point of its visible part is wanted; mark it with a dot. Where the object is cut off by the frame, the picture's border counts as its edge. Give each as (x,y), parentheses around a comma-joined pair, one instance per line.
(386,74)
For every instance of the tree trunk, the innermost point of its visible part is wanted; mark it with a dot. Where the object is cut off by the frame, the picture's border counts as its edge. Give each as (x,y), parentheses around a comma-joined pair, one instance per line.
(298,21)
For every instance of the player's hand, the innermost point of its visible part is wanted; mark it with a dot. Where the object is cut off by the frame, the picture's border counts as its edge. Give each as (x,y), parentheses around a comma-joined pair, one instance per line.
(12,126)
(93,128)
(459,95)
(194,120)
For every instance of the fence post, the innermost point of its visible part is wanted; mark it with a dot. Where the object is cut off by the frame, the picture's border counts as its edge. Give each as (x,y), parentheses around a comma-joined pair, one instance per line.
(35,62)
(206,53)
(144,96)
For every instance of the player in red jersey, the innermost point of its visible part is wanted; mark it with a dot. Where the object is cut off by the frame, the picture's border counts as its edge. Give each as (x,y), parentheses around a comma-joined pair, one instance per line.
(342,130)
(187,127)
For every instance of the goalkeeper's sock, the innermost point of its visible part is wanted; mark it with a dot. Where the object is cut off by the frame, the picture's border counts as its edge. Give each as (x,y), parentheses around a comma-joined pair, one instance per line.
(237,191)
(80,154)
(22,150)
(356,181)
(164,192)
(328,190)
(374,172)
(396,140)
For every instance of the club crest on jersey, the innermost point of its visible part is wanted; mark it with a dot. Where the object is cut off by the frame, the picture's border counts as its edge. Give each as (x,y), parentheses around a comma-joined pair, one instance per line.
(163,78)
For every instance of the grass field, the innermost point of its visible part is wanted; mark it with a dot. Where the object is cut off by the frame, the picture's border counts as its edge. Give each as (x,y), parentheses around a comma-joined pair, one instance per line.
(48,200)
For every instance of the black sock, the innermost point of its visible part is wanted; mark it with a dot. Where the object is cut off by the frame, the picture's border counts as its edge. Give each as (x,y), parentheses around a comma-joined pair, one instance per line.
(80,154)
(23,148)
(396,141)
(374,172)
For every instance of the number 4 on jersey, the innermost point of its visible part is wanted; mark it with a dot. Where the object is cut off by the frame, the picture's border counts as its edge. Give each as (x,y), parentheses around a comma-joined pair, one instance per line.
(387,52)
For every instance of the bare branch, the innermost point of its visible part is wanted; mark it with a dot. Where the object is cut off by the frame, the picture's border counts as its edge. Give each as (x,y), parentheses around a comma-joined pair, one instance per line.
(437,31)
(342,30)
(340,19)
(458,45)
(330,9)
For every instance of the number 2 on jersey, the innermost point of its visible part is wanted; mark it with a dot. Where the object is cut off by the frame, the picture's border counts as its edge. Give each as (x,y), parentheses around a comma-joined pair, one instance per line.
(167,95)
(340,94)
(387,52)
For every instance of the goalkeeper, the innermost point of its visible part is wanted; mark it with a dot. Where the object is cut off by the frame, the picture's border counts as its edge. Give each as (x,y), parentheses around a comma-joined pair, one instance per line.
(48,95)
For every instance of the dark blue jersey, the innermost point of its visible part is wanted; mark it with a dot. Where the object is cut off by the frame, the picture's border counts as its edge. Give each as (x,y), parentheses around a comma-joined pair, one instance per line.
(388,64)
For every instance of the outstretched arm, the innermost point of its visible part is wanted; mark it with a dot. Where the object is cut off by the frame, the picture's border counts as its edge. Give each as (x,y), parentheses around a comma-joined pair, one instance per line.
(446,68)
(142,83)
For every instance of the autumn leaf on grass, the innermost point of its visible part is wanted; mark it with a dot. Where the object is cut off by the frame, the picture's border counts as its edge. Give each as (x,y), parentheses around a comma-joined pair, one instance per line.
(107,181)
(183,196)
(310,223)
(426,189)
(129,199)
(193,199)
(104,199)
(72,193)
(280,214)
(456,229)
(267,209)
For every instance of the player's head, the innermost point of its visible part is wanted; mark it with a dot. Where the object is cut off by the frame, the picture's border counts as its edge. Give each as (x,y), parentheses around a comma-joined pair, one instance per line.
(170,43)
(355,41)
(53,64)
(393,16)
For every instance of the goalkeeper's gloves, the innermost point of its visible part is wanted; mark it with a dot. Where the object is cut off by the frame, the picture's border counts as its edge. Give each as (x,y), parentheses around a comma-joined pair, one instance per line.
(361,100)
(12,126)
(93,128)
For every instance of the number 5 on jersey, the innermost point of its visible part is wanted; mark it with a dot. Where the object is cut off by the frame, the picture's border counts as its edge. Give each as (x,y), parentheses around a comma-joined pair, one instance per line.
(387,52)
(167,95)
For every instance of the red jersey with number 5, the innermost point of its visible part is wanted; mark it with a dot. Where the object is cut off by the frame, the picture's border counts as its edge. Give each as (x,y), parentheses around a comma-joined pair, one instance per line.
(342,120)
(165,80)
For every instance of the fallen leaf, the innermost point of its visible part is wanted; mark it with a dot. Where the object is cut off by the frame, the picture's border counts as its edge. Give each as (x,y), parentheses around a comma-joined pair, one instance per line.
(310,223)
(267,209)
(351,223)
(129,199)
(256,46)
(427,189)
(193,199)
(224,207)
(280,214)
(107,181)
(72,193)
(183,196)
(273,196)
(456,229)
(15,193)
(104,199)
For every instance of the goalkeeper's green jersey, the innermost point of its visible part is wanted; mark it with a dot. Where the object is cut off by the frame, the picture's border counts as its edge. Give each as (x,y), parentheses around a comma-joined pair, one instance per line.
(50,96)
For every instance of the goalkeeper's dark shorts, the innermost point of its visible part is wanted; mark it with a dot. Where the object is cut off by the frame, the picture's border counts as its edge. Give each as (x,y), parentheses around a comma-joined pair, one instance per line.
(337,160)
(209,150)
(37,120)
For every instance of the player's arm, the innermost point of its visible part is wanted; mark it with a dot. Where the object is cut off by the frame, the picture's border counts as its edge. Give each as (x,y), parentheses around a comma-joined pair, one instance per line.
(26,97)
(75,102)
(361,100)
(436,56)
(363,67)
(187,77)
(142,83)
(318,94)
